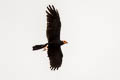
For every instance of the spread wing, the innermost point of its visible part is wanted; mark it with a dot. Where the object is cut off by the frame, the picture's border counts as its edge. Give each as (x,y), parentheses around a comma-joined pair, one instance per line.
(55,56)
(53,24)
(53,35)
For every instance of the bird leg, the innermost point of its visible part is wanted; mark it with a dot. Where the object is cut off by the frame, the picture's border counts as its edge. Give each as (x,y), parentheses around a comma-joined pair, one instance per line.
(45,48)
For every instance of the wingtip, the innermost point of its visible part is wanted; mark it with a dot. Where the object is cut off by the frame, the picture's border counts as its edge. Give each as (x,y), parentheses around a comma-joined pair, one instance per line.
(52,68)
(51,7)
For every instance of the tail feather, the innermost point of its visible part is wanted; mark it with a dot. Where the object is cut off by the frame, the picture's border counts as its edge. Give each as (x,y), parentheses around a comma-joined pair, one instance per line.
(37,47)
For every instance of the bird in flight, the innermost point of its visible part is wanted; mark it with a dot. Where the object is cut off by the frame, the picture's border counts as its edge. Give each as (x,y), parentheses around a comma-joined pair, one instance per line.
(53,47)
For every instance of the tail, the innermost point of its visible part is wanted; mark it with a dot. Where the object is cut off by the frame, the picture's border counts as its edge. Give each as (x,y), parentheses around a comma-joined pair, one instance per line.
(37,47)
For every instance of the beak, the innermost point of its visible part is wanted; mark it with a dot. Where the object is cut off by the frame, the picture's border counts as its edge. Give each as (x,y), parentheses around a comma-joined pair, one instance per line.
(65,42)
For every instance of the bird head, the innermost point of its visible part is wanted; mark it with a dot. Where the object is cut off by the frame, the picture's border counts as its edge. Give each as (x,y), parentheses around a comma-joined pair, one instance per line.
(64,42)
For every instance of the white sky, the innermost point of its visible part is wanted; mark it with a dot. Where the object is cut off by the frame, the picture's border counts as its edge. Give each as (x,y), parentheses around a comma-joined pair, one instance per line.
(92,28)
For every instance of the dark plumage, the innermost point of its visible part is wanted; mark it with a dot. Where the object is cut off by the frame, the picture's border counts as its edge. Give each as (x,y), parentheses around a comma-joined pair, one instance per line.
(53,35)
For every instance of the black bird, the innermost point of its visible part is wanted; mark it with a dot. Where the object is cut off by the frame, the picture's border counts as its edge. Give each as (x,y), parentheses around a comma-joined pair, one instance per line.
(53,35)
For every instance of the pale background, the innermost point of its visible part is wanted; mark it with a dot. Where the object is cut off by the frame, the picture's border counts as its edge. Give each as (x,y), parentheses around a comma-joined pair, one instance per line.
(92,28)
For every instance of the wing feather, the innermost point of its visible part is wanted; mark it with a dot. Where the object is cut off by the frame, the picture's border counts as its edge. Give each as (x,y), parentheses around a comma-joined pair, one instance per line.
(55,56)
(53,35)
(53,24)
